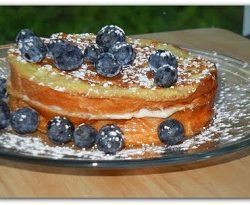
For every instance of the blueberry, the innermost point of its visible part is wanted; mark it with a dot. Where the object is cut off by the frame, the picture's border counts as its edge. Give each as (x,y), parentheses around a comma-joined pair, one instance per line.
(66,55)
(23,34)
(165,76)
(160,58)
(91,53)
(2,87)
(110,139)
(106,65)
(84,136)
(123,52)
(60,130)
(32,49)
(24,120)
(52,48)
(171,132)
(109,35)
(4,115)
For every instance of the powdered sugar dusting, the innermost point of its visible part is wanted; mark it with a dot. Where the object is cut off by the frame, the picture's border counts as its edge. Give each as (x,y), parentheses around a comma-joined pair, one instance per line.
(137,74)
(229,125)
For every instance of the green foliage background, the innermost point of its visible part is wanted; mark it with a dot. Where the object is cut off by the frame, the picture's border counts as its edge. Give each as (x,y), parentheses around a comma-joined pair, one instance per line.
(46,20)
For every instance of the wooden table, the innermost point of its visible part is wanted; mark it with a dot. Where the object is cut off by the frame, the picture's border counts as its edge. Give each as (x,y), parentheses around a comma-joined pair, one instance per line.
(227,176)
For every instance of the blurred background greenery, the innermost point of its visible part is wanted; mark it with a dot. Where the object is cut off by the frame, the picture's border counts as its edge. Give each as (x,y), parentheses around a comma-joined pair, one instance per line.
(45,20)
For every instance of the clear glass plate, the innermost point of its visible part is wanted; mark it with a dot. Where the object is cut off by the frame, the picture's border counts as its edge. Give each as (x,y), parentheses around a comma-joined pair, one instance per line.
(227,133)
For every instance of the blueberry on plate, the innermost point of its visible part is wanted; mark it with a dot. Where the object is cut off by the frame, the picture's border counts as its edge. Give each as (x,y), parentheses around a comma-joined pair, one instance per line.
(2,87)
(66,56)
(165,76)
(4,115)
(32,49)
(84,136)
(106,65)
(123,52)
(24,120)
(160,58)
(91,53)
(171,132)
(109,35)
(60,130)
(110,139)
(23,34)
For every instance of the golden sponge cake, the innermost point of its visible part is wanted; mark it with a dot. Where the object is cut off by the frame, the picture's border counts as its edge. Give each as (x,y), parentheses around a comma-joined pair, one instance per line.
(130,100)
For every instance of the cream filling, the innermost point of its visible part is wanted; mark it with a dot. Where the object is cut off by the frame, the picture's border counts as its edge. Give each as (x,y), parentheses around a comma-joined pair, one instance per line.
(161,113)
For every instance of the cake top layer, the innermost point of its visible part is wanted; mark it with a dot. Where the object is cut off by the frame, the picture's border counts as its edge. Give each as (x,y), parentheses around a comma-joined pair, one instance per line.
(191,70)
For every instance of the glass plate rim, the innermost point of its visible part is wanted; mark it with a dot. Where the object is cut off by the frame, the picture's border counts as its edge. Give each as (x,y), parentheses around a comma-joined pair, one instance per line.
(134,163)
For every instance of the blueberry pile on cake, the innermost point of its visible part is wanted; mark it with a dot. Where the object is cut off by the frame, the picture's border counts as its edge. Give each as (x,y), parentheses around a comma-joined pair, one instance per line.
(107,91)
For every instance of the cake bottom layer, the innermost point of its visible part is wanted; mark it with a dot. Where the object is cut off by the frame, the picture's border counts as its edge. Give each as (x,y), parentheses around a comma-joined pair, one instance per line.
(137,131)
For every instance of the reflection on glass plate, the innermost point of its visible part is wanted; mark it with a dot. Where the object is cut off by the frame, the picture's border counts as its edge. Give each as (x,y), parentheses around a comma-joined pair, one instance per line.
(228,132)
